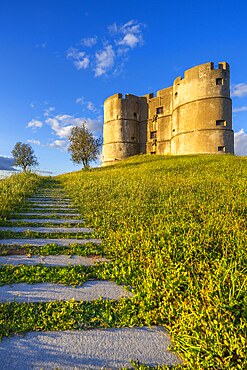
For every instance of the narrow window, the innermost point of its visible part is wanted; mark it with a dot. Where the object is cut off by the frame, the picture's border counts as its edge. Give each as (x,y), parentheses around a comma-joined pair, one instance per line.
(221,148)
(135,115)
(219,81)
(153,134)
(159,110)
(220,122)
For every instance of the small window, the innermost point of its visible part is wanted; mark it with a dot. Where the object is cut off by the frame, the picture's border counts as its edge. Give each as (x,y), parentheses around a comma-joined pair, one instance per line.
(153,134)
(135,115)
(221,148)
(159,110)
(176,94)
(173,130)
(219,81)
(153,152)
(220,122)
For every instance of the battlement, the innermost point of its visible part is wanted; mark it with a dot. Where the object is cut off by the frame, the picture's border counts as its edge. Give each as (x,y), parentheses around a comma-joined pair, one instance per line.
(194,115)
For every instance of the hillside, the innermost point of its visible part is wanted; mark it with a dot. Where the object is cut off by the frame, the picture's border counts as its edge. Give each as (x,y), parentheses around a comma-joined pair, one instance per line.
(175,228)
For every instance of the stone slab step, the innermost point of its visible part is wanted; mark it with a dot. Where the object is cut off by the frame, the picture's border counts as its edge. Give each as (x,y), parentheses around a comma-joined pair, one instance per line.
(48,214)
(60,260)
(41,242)
(54,209)
(20,229)
(52,204)
(46,292)
(48,199)
(88,349)
(47,220)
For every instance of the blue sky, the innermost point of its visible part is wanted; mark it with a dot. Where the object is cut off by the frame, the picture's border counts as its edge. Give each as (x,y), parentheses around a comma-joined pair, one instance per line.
(60,59)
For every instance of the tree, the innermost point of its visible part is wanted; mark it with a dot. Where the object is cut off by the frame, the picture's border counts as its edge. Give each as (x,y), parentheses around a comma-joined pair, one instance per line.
(84,148)
(24,156)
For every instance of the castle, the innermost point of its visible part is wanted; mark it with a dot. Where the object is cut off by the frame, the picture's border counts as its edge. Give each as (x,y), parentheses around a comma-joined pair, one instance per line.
(193,116)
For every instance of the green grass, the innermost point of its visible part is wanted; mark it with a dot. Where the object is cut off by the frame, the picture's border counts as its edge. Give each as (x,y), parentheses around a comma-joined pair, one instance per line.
(72,275)
(21,317)
(175,228)
(87,249)
(15,190)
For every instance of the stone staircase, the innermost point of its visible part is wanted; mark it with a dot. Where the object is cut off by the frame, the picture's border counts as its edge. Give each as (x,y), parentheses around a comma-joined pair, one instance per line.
(77,349)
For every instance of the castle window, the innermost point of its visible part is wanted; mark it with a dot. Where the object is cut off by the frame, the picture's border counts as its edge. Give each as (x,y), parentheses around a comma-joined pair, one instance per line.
(153,152)
(153,134)
(220,122)
(135,115)
(176,94)
(221,148)
(219,81)
(159,110)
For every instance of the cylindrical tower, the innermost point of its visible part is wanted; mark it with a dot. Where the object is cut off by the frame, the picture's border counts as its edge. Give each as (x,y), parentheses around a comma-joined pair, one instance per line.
(202,111)
(121,128)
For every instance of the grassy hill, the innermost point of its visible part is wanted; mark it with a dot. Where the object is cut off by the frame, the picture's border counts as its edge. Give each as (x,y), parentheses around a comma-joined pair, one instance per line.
(175,228)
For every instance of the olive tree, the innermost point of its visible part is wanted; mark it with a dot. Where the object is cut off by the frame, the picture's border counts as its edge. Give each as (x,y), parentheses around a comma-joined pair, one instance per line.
(84,147)
(24,156)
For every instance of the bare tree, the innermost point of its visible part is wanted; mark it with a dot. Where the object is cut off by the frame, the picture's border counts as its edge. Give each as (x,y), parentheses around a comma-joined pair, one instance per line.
(24,156)
(84,148)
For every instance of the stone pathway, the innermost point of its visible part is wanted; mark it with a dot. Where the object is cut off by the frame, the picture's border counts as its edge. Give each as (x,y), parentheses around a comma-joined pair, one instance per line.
(41,242)
(46,230)
(45,220)
(88,350)
(78,349)
(61,260)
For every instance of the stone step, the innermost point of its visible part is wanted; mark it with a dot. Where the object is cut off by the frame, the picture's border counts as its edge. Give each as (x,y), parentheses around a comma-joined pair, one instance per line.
(35,198)
(44,230)
(46,292)
(48,214)
(42,242)
(47,220)
(87,349)
(60,260)
(54,209)
(51,204)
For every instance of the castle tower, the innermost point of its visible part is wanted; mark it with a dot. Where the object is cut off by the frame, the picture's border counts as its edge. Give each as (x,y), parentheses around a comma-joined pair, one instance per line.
(194,116)
(124,127)
(202,111)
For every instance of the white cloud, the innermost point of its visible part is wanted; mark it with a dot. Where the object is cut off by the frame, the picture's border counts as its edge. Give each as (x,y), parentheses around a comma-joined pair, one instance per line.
(35,124)
(59,144)
(80,59)
(240,109)
(80,101)
(240,142)
(117,42)
(91,106)
(239,90)
(62,124)
(89,41)
(48,111)
(132,32)
(104,60)
(35,142)
(130,40)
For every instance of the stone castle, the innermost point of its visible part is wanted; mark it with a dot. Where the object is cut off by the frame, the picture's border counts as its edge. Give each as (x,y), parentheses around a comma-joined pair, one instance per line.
(194,116)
